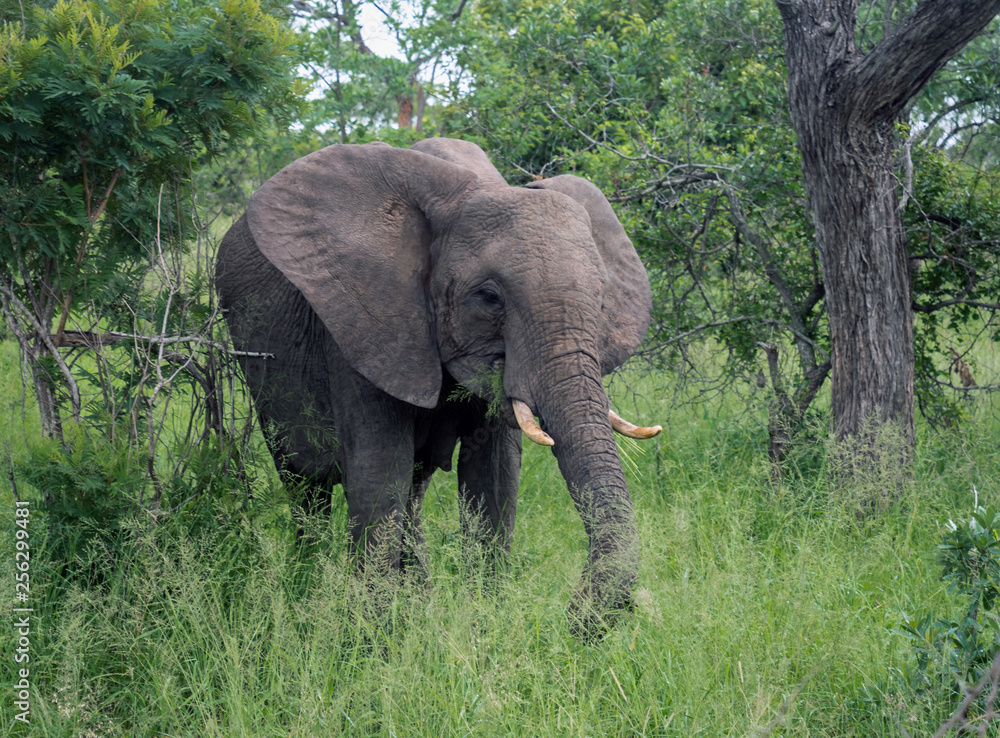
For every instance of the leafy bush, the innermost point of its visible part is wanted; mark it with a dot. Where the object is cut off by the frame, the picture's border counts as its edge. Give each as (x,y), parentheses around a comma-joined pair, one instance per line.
(954,652)
(90,486)
(95,496)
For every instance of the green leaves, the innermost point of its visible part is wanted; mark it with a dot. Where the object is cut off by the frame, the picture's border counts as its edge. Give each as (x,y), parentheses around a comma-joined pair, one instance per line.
(107,108)
(970,557)
(952,653)
(97,87)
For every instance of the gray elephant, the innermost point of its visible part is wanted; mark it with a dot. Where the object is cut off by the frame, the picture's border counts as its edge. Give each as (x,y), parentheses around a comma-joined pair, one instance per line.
(381,280)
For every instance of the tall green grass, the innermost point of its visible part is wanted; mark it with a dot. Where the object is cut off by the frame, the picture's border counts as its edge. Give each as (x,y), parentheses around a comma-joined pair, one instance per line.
(762,603)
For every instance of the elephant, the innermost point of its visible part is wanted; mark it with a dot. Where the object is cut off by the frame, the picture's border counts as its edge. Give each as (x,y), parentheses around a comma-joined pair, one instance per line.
(390,305)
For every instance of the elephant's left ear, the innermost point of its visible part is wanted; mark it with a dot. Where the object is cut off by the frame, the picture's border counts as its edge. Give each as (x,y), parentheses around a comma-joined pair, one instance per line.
(627,297)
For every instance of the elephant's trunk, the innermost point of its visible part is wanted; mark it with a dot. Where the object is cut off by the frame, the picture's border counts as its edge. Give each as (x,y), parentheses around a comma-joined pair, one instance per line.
(574,411)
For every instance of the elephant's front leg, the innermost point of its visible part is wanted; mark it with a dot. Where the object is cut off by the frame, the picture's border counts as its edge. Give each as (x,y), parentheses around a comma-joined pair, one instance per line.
(378,473)
(415,559)
(489,470)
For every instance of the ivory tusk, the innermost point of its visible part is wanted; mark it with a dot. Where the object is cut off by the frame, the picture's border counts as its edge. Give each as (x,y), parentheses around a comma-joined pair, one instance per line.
(527,422)
(632,431)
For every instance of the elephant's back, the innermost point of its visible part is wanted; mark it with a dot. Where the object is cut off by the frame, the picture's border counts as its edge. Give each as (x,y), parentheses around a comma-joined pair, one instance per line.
(288,374)
(265,312)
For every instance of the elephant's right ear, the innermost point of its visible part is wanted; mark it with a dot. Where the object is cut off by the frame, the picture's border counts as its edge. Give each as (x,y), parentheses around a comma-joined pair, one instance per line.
(351,228)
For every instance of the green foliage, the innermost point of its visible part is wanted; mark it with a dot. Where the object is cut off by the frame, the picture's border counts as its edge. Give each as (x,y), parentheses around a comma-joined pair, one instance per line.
(360,92)
(970,557)
(954,242)
(759,604)
(91,488)
(487,385)
(107,107)
(95,492)
(105,101)
(952,654)
(678,112)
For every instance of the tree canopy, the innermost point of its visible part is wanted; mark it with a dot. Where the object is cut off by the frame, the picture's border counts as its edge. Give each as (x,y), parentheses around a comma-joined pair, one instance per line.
(106,108)
(680,112)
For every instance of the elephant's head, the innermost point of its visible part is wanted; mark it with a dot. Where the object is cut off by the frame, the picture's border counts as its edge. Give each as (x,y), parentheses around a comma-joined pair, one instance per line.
(423,261)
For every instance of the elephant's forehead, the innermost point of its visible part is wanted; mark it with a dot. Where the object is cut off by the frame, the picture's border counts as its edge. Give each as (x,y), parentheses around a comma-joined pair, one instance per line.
(531,236)
(532,215)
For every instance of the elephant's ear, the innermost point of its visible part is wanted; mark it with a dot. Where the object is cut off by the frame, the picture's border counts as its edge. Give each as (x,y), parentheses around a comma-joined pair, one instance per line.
(351,227)
(627,297)
(464,154)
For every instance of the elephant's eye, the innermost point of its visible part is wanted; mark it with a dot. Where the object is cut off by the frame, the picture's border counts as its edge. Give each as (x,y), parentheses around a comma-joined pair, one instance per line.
(488,296)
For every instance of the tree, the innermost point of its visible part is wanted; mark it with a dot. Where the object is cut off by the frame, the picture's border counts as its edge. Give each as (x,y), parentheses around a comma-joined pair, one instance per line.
(357,89)
(106,108)
(845,103)
(680,113)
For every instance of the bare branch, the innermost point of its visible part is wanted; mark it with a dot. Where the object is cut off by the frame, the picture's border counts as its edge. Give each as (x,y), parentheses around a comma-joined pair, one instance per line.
(992,677)
(74,390)
(917,307)
(907,174)
(645,157)
(901,64)
(672,182)
(918,136)
(458,12)
(91,340)
(697,329)
(975,388)
(798,326)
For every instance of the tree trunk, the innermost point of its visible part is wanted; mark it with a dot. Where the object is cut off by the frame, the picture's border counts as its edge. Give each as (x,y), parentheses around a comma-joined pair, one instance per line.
(405,113)
(48,407)
(862,249)
(844,105)
(31,332)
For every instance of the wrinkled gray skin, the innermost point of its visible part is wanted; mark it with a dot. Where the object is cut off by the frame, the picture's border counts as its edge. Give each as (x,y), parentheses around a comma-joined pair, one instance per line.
(379,278)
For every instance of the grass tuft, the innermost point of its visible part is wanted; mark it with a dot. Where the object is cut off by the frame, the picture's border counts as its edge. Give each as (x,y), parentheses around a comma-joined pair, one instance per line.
(760,603)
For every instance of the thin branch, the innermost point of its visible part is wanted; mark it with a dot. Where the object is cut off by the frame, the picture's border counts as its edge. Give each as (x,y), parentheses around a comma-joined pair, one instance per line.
(771,351)
(907,174)
(812,299)
(455,16)
(991,677)
(975,388)
(917,137)
(760,244)
(107,195)
(645,157)
(672,182)
(798,334)
(887,18)
(74,390)
(92,220)
(91,340)
(917,307)
(697,329)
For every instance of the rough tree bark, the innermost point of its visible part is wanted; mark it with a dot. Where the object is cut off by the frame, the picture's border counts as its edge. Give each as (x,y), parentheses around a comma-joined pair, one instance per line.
(844,105)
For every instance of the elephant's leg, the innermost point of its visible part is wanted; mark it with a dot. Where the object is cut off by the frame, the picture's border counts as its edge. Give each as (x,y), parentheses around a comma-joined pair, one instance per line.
(489,469)
(378,468)
(414,545)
